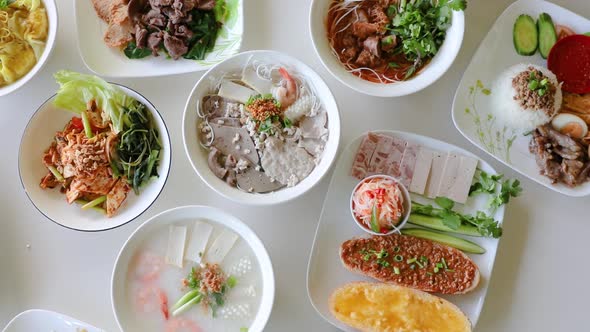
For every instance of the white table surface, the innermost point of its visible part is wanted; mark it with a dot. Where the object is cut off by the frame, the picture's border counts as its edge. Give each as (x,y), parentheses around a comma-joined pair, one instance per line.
(541,272)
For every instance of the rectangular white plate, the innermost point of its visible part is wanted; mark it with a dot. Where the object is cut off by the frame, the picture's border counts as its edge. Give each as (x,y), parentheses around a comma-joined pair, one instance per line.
(325,271)
(495,54)
(44,320)
(106,61)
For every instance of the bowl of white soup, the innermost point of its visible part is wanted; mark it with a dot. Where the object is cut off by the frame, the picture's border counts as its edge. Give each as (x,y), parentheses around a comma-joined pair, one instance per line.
(193,268)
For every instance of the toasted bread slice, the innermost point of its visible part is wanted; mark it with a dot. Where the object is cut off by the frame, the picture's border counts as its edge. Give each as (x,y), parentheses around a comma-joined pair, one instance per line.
(377,307)
(411,262)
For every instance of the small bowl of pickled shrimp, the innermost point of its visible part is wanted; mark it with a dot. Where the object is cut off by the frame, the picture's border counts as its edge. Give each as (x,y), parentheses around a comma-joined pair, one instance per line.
(380,205)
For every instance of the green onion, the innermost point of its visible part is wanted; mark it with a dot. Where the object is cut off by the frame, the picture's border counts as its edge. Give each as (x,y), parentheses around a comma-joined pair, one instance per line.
(430,274)
(95,208)
(395,270)
(94,202)
(87,126)
(411,260)
(449,270)
(375,219)
(56,173)
(396,249)
(444,263)
(187,305)
(423,259)
(420,264)
(398,258)
(185,299)
(439,265)
(232,281)
(436,269)
(412,267)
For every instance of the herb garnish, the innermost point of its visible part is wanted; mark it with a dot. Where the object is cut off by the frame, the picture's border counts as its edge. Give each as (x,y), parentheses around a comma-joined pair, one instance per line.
(421,25)
(134,52)
(488,184)
(538,85)
(485,225)
(5,3)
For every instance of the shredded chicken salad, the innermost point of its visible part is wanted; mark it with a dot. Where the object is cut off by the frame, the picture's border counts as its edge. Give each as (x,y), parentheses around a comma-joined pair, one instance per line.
(110,148)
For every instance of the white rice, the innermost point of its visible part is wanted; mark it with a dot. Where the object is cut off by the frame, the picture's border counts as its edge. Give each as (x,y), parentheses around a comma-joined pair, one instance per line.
(510,112)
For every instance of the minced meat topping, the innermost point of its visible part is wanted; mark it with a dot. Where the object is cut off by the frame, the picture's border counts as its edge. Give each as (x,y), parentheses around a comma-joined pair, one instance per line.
(528,95)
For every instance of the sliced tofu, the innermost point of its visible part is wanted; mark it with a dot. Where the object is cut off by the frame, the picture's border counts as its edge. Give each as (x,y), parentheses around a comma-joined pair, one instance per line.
(176,243)
(408,163)
(457,177)
(197,243)
(439,160)
(234,91)
(220,247)
(250,77)
(422,170)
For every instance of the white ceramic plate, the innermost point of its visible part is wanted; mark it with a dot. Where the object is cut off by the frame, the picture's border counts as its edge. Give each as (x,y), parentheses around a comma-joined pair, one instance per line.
(37,137)
(44,320)
(52,17)
(428,75)
(106,61)
(325,271)
(495,54)
(186,215)
(198,156)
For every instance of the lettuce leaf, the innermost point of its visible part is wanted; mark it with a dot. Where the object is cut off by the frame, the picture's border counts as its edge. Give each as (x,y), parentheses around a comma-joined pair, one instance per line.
(76,90)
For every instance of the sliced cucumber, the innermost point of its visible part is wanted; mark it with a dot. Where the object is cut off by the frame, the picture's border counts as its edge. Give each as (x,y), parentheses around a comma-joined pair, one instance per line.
(437,223)
(547,34)
(525,35)
(448,240)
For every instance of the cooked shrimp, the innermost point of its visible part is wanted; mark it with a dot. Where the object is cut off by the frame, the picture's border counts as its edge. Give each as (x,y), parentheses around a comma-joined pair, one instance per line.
(182,324)
(151,299)
(148,266)
(287,93)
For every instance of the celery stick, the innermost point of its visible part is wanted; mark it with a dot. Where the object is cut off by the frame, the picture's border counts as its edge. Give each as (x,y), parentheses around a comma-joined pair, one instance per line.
(56,173)
(87,126)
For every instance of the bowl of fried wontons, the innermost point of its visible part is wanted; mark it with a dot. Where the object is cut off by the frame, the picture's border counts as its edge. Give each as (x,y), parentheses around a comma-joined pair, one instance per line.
(27,35)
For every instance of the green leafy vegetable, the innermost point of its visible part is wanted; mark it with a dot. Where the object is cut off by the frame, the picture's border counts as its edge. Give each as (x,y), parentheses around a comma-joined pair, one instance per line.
(421,25)
(5,3)
(134,52)
(192,279)
(488,184)
(485,225)
(205,28)
(76,90)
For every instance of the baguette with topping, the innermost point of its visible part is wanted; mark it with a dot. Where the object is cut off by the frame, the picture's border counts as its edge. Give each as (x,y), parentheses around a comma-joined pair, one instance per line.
(375,307)
(412,262)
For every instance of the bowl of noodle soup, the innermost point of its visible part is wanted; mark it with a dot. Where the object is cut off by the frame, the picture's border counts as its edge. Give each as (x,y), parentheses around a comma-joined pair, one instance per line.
(329,17)
(27,35)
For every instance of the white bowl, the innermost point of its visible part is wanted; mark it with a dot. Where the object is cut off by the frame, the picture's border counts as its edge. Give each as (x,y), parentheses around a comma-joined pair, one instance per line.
(111,62)
(45,320)
(125,318)
(428,75)
(37,137)
(407,204)
(198,156)
(52,18)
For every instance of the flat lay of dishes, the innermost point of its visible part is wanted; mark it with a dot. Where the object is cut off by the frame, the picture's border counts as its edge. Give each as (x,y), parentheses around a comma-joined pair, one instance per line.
(377,276)
(192,274)
(539,105)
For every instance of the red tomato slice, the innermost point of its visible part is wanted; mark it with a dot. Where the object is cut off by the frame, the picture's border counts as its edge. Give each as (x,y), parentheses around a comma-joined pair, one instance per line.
(77,123)
(569,60)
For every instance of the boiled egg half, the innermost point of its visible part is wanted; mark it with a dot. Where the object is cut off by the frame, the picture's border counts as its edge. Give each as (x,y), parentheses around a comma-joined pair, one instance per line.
(571,125)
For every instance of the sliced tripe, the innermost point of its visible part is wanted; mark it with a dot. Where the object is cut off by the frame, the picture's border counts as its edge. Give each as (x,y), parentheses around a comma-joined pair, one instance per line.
(457,177)
(176,243)
(421,170)
(436,171)
(197,243)
(220,247)
(251,78)
(234,91)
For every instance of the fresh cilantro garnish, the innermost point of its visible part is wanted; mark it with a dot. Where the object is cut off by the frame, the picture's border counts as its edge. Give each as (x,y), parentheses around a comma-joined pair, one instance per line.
(488,184)
(5,3)
(193,281)
(421,26)
(266,96)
